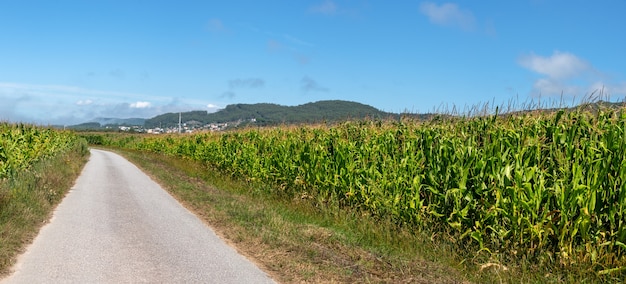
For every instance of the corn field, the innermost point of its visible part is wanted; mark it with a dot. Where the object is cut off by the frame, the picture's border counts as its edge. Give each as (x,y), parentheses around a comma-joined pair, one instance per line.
(22,145)
(545,187)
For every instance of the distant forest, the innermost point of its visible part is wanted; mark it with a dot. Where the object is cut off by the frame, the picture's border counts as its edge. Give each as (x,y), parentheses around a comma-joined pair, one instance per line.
(272,114)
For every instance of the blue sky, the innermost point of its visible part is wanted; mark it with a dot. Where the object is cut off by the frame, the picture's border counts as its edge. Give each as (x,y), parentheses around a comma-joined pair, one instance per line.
(66,62)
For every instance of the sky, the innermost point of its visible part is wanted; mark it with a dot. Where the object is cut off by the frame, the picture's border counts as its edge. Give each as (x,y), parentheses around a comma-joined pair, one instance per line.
(67,62)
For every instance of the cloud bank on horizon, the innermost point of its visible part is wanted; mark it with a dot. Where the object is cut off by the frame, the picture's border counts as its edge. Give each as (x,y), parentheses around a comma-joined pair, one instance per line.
(565,73)
(67,63)
(73,105)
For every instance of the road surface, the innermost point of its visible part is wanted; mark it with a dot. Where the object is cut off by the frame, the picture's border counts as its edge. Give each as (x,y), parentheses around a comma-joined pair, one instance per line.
(118,226)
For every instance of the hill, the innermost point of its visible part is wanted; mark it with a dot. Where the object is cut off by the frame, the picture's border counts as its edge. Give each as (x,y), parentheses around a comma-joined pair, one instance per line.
(264,114)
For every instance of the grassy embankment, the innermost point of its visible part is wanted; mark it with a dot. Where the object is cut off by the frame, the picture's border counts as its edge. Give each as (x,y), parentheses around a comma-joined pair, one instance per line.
(38,166)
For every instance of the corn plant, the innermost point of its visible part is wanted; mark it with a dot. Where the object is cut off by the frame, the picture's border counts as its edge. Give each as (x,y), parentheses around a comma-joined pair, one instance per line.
(22,145)
(547,186)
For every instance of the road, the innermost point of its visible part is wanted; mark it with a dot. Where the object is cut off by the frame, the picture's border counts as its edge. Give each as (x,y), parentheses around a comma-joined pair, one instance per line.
(116,225)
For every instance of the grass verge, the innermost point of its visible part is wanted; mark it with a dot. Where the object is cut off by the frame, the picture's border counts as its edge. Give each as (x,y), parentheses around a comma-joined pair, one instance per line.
(296,241)
(28,199)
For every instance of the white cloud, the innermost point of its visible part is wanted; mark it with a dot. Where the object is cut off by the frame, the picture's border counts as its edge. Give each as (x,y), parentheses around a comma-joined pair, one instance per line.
(84,102)
(140,105)
(550,87)
(561,65)
(448,14)
(67,105)
(327,7)
(567,74)
(62,91)
(618,89)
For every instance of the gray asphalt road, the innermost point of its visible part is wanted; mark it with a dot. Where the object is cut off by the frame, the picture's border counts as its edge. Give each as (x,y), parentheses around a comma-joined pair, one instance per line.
(118,226)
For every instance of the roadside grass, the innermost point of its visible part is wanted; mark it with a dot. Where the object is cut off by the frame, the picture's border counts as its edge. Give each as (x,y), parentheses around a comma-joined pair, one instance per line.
(28,199)
(295,241)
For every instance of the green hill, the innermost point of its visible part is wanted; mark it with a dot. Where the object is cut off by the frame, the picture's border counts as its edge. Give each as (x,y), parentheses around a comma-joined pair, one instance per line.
(272,114)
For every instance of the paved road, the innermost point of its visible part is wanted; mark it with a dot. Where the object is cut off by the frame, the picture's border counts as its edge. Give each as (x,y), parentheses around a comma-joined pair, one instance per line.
(117,226)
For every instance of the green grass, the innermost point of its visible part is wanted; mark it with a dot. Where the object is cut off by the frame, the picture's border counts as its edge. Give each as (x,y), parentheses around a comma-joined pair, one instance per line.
(293,239)
(28,198)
